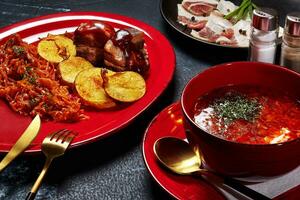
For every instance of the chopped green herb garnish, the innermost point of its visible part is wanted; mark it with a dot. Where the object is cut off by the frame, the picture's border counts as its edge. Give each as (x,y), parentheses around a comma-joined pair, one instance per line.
(46,106)
(18,50)
(235,106)
(28,69)
(30,75)
(32,80)
(33,102)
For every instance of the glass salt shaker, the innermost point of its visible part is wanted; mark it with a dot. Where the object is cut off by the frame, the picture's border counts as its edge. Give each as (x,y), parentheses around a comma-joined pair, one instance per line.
(264,35)
(290,49)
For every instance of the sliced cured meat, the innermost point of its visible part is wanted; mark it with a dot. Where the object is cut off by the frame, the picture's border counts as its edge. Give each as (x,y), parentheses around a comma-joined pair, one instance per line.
(218,24)
(226,42)
(206,20)
(206,33)
(182,12)
(225,38)
(197,25)
(200,7)
(242,32)
(228,33)
(226,7)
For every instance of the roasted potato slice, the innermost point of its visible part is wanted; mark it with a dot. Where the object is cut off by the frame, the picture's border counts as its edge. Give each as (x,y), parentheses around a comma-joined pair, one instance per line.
(48,50)
(126,86)
(56,48)
(70,68)
(88,84)
(65,43)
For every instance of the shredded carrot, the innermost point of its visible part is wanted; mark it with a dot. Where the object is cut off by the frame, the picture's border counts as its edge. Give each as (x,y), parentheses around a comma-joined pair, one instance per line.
(30,85)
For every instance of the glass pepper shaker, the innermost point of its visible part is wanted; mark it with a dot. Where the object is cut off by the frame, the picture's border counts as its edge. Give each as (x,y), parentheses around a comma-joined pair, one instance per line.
(290,49)
(264,35)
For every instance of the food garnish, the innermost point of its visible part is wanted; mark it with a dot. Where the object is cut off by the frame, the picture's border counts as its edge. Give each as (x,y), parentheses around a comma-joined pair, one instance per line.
(242,12)
(236,106)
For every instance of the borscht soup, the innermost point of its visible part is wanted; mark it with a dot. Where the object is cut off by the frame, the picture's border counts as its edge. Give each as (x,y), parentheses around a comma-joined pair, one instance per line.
(249,114)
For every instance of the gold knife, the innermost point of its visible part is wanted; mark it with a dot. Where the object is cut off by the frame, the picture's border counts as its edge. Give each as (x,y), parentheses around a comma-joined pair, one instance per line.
(23,142)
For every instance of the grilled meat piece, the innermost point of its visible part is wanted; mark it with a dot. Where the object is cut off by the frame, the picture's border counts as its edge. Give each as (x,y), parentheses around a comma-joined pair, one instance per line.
(125,52)
(90,39)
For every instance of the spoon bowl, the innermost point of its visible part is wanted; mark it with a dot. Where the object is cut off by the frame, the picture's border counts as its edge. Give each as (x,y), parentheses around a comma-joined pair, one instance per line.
(179,157)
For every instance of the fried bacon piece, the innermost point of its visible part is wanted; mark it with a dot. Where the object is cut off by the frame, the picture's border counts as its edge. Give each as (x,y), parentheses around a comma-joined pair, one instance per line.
(29,84)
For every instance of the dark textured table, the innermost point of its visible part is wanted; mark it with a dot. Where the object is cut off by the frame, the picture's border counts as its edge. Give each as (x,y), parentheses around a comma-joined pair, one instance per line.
(112,168)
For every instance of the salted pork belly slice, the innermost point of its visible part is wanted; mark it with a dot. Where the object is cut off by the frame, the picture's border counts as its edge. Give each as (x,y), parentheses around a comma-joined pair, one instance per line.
(218,24)
(200,7)
(207,35)
(217,30)
(226,7)
(242,31)
(190,20)
(192,24)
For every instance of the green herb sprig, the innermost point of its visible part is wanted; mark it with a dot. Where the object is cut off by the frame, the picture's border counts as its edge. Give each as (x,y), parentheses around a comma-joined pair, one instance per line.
(245,9)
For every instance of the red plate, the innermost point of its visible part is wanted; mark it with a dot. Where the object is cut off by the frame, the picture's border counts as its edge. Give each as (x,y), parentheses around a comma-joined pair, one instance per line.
(101,123)
(169,123)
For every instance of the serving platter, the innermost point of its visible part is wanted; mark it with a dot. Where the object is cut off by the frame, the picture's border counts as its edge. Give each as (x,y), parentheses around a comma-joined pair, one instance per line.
(101,123)
(168,9)
(169,12)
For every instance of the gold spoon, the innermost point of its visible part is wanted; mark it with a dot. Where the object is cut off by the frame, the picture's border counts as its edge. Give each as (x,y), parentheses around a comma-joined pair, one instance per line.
(178,156)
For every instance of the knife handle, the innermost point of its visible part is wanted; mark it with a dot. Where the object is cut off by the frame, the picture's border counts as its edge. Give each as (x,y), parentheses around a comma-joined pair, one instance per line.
(30,196)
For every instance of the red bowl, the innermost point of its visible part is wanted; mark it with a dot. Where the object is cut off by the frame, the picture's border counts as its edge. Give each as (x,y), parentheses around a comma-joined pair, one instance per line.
(232,158)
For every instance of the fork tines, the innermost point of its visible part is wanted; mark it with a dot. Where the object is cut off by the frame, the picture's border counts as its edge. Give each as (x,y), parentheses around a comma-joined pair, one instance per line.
(63,135)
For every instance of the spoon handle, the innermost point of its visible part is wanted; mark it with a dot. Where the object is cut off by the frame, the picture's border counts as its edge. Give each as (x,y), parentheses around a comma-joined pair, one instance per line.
(219,180)
(244,189)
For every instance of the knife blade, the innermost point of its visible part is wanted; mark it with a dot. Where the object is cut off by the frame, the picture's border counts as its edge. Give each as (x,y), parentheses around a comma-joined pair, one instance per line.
(23,142)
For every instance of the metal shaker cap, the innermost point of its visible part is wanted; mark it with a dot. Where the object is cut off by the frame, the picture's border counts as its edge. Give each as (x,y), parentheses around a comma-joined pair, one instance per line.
(265,19)
(292,24)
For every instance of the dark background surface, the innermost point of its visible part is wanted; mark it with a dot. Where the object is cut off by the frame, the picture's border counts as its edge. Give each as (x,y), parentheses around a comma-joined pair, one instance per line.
(112,168)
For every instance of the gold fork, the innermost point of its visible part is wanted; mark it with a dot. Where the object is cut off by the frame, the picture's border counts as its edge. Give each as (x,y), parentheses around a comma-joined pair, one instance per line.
(54,145)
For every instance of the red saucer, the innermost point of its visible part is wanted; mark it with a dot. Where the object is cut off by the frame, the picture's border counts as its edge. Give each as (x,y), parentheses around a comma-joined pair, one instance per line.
(169,123)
